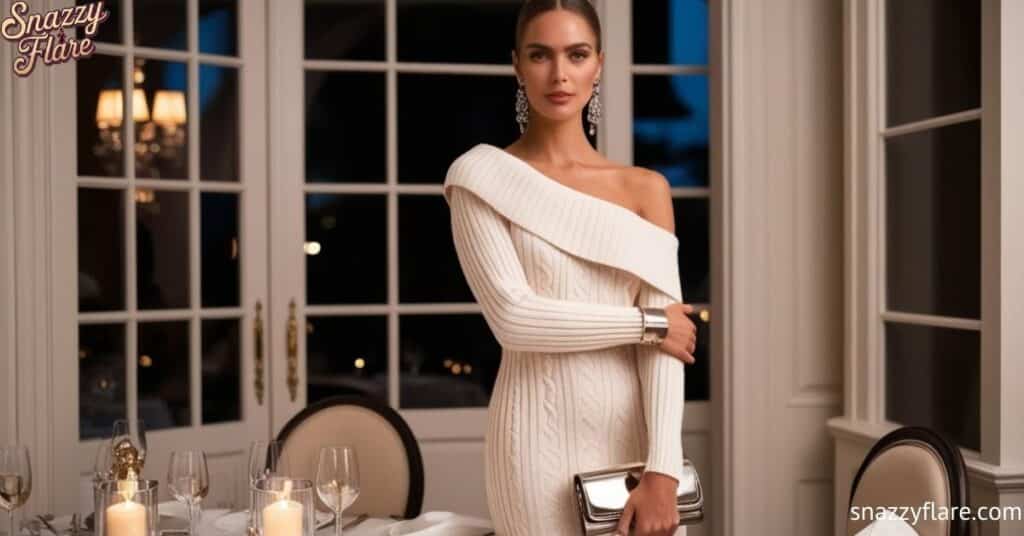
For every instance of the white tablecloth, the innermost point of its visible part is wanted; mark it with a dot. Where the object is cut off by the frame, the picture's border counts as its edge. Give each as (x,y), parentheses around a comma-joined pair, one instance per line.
(428,523)
(434,523)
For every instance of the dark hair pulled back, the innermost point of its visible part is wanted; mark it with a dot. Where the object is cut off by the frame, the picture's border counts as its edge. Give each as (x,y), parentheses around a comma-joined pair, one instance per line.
(532,8)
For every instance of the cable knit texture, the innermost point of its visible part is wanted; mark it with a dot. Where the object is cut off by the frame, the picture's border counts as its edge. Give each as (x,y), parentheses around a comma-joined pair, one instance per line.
(558,274)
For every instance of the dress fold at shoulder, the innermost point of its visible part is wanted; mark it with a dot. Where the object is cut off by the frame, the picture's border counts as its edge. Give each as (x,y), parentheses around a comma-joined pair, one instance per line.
(580,224)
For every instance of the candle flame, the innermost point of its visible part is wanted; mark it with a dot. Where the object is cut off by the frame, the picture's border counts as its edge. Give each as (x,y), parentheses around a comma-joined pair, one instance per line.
(127,488)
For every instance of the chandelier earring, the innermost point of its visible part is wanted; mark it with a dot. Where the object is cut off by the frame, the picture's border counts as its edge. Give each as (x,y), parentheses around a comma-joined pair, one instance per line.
(522,108)
(594,108)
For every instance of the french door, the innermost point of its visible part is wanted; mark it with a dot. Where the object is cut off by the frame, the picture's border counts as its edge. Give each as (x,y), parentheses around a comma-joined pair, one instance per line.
(365,280)
(162,290)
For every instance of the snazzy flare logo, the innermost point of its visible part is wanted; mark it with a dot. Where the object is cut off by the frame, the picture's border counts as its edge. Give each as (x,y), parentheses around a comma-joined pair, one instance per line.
(42,35)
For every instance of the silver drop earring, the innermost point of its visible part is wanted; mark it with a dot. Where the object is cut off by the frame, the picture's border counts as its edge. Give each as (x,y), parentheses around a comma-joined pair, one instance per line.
(594,108)
(522,108)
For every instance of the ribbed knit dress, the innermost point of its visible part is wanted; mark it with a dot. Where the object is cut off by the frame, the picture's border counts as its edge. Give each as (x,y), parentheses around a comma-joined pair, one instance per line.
(558,274)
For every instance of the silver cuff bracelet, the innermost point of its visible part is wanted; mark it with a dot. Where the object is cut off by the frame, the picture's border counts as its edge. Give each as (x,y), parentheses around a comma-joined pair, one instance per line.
(655,325)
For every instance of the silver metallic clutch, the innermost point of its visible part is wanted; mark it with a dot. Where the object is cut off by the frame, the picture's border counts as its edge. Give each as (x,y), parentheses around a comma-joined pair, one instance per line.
(601,496)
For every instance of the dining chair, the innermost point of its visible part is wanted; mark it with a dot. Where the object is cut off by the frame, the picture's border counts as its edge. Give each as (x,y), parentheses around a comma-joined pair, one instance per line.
(388,456)
(909,467)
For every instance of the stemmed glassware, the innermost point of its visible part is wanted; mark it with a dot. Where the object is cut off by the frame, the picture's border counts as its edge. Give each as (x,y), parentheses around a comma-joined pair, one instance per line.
(15,480)
(103,469)
(189,481)
(337,480)
(265,461)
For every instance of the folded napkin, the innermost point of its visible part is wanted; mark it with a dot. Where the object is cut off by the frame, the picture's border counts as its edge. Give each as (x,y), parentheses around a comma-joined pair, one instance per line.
(888,524)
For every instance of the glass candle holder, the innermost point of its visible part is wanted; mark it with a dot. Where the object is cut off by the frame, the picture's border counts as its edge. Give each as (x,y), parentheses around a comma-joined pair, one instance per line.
(283,507)
(126,508)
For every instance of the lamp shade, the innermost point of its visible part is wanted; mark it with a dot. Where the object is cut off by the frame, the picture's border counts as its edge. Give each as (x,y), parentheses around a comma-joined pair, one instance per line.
(110,108)
(140,109)
(169,108)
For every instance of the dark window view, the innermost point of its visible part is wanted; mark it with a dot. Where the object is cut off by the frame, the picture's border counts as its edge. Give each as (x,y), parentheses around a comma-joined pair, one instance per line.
(362,24)
(346,248)
(347,355)
(345,142)
(428,270)
(163,374)
(932,217)
(477,108)
(671,117)
(933,379)
(438,31)
(101,279)
(933,62)
(670,127)
(221,371)
(447,361)
(670,32)
(101,379)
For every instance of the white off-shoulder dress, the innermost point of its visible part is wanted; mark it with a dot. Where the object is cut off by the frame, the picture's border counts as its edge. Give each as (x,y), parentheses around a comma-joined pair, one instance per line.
(558,274)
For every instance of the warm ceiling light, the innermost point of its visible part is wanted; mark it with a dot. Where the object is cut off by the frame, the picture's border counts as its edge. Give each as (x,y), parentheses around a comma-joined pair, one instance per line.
(169,108)
(110,108)
(140,109)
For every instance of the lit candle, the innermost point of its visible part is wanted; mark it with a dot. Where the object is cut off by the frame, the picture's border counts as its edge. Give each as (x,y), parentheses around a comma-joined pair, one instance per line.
(282,518)
(126,518)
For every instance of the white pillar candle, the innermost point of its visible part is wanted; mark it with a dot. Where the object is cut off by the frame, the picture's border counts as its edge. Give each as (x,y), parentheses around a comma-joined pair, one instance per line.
(126,518)
(282,518)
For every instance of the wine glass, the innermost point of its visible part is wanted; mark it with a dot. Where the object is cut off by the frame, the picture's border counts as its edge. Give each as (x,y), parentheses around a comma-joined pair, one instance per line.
(265,461)
(337,480)
(134,430)
(103,468)
(15,479)
(189,481)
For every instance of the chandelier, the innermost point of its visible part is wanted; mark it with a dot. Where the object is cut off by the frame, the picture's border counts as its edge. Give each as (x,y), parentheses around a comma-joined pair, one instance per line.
(159,135)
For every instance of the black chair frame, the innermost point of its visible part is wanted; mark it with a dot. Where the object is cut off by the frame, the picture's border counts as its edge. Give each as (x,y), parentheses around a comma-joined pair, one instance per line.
(414,502)
(946,450)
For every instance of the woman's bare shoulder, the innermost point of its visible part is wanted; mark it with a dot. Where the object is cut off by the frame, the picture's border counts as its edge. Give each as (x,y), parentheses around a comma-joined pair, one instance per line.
(652,195)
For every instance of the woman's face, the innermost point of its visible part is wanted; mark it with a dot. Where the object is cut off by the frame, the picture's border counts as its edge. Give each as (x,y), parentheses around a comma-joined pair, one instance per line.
(558,55)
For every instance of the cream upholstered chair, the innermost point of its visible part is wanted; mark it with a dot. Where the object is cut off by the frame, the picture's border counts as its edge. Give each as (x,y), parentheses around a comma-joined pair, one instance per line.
(390,464)
(908,467)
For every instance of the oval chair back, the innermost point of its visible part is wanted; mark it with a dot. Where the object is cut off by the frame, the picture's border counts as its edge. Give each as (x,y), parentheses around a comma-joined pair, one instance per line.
(909,467)
(388,456)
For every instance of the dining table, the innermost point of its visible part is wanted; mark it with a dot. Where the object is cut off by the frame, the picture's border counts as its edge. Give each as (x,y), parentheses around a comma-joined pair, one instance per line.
(227,522)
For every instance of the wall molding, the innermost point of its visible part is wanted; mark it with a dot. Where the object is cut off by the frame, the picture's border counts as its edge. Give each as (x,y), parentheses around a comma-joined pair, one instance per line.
(26,284)
(721,47)
(8,415)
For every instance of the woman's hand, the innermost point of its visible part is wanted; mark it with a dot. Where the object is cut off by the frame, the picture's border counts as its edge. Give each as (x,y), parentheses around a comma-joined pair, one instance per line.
(653,503)
(681,340)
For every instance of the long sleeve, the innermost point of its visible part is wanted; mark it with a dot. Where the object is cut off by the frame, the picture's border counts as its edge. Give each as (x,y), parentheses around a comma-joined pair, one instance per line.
(662,380)
(520,319)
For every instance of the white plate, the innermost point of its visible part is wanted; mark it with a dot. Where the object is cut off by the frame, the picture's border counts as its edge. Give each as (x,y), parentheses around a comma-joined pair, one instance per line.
(233,522)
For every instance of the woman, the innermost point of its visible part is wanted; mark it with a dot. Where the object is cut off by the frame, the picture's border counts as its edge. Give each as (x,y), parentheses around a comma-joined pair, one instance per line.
(572,258)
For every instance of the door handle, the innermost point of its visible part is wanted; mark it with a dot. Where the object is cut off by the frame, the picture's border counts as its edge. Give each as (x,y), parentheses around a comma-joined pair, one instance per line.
(258,350)
(293,351)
